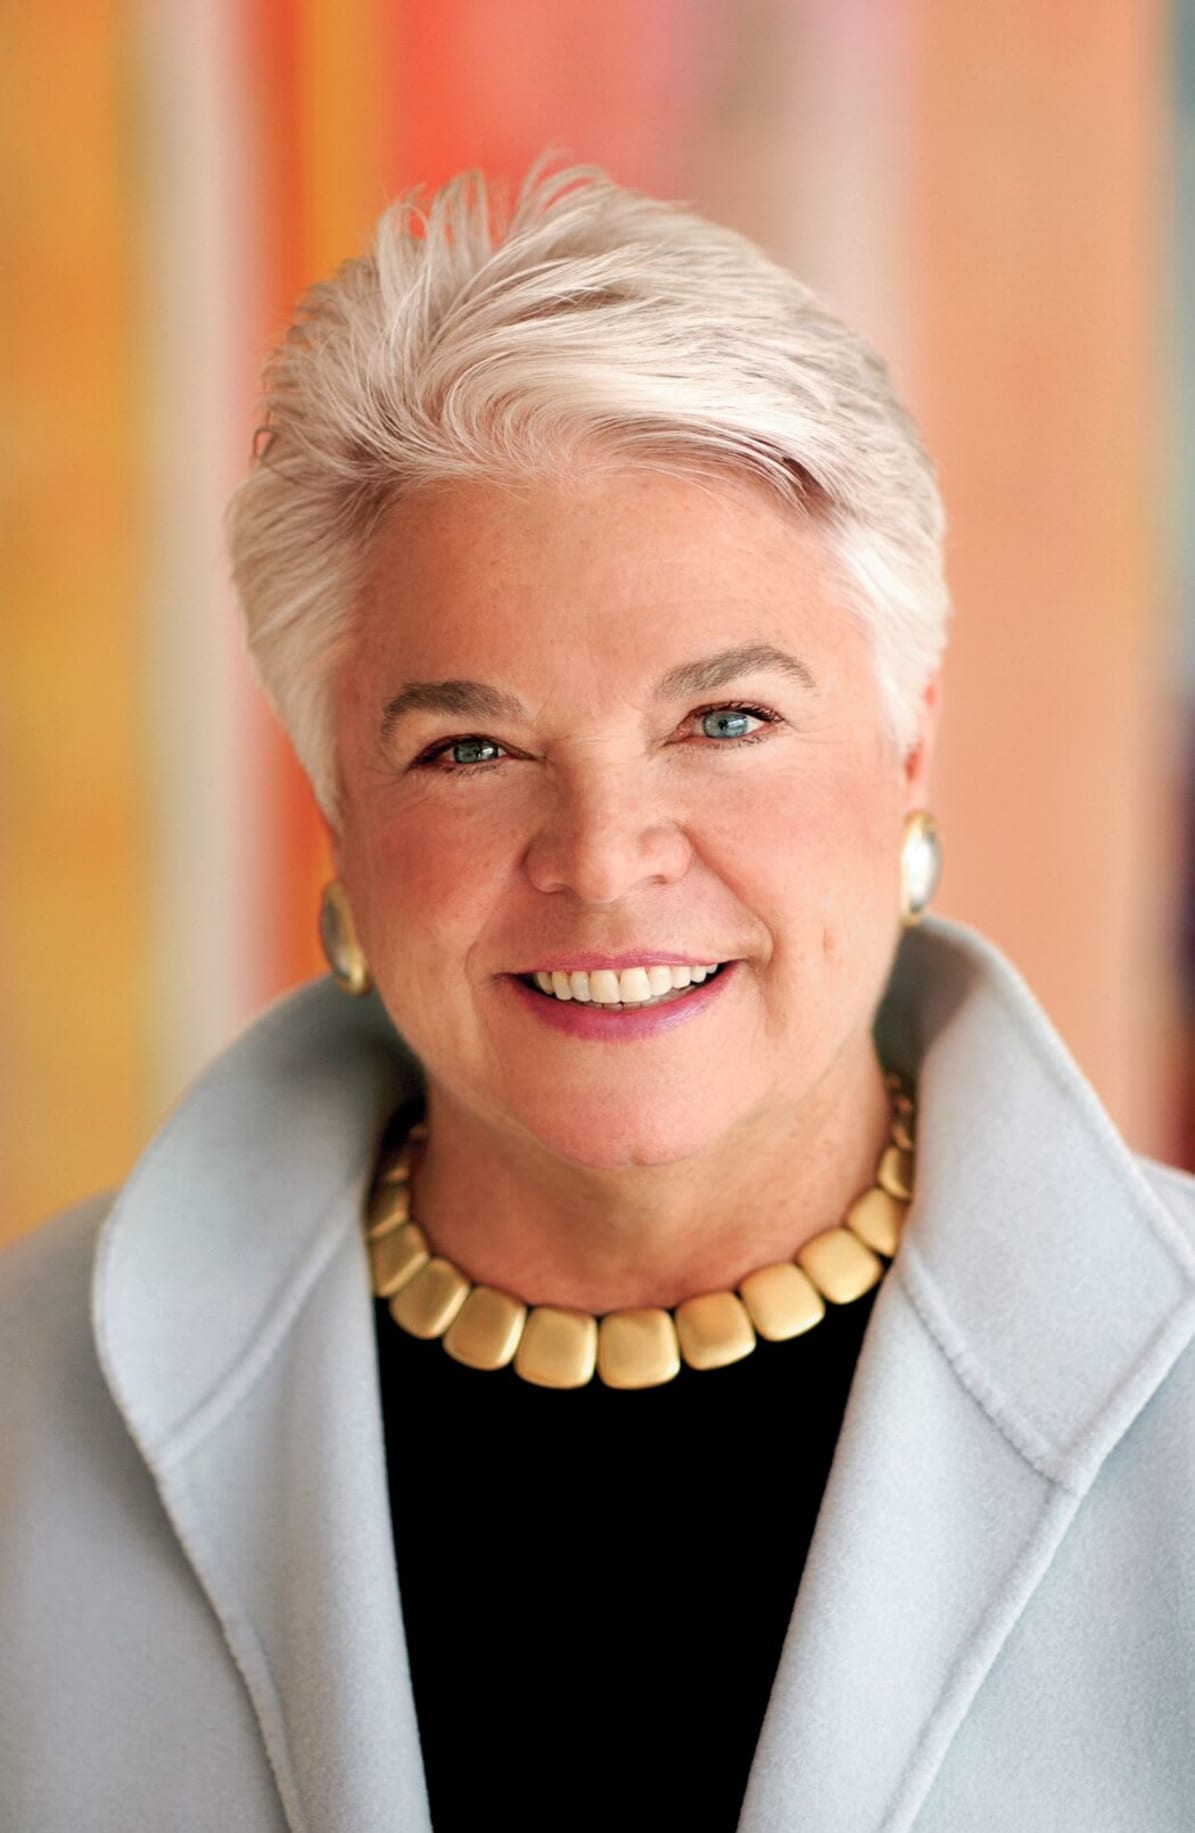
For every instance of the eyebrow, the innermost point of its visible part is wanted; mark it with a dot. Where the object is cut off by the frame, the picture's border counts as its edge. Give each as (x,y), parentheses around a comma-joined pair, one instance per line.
(477,699)
(712,671)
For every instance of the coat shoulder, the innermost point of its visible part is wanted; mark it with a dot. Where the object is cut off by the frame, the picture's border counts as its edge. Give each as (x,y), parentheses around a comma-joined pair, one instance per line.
(45,1285)
(70,1234)
(52,1391)
(97,1598)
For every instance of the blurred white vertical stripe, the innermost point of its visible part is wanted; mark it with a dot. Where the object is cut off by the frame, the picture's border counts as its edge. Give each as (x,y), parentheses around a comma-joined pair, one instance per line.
(851,170)
(200,296)
(804,142)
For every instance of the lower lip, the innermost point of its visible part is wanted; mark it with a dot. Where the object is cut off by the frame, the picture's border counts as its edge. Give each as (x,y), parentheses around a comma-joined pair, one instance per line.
(577,1018)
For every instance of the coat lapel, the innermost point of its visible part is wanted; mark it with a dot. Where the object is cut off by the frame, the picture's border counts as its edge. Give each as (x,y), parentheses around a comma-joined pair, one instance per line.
(235,1324)
(1041,1293)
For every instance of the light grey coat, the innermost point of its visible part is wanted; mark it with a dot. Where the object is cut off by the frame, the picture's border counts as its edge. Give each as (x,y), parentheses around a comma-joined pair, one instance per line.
(200,1630)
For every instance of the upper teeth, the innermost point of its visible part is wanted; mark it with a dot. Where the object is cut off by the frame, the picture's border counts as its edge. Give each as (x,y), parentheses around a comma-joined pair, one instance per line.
(632,987)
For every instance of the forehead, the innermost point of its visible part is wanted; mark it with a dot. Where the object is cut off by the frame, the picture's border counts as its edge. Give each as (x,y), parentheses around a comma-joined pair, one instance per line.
(610,562)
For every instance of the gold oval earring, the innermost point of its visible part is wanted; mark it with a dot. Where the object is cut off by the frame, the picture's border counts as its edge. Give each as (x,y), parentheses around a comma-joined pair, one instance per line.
(920,865)
(338,938)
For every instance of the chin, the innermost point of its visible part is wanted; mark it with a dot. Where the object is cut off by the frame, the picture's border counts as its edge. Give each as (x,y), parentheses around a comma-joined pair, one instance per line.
(610,1137)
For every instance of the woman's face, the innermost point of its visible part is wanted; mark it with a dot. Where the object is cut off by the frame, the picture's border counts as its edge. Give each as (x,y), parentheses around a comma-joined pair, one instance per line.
(623,720)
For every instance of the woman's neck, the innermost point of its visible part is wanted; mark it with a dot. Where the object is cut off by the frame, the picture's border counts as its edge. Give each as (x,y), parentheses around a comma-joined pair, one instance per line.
(512,1215)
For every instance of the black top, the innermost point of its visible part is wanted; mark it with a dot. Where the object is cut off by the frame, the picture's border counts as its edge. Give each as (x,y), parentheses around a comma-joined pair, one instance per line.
(596,1584)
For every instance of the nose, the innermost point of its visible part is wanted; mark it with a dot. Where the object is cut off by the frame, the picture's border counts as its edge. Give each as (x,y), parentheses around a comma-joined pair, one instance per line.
(604,836)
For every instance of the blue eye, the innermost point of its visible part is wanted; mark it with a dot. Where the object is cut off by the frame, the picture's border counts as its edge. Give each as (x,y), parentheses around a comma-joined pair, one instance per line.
(734,723)
(726,722)
(727,725)
(467,751)
(460,756)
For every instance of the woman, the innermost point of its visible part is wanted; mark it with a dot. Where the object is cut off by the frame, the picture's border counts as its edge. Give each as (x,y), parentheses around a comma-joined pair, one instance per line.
(595,573)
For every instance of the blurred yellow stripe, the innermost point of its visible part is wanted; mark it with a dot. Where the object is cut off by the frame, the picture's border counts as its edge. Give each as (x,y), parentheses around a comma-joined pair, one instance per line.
(73,986)
(346,86)
(344,80)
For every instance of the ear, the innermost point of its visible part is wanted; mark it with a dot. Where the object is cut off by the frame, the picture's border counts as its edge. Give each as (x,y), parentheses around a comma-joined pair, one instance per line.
(919,757)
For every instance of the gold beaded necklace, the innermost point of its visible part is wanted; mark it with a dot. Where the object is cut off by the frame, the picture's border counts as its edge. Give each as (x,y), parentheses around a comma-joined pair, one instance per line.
(553,1347)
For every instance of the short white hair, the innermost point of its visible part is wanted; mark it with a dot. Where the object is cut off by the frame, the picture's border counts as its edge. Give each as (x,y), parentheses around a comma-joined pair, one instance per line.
(578,322)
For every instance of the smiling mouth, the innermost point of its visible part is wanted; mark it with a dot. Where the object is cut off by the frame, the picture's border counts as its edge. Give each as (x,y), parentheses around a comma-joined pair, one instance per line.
(595,989)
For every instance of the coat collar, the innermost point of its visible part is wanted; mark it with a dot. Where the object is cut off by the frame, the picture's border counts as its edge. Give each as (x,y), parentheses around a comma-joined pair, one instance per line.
(1008,1352)
(1040,1295)
(234,1324)
(1042,1258)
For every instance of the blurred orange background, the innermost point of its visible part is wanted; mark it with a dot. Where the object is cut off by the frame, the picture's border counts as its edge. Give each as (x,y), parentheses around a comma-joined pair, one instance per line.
(994,194)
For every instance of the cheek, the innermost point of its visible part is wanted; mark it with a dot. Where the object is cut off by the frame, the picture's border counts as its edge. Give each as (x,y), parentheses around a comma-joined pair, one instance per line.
(428,882)
(815,854)
(860,904)
(822,826)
